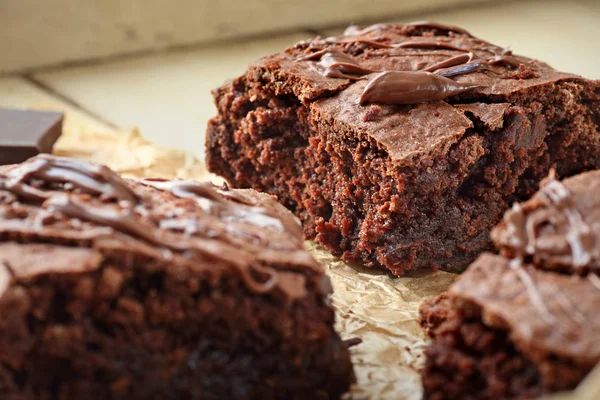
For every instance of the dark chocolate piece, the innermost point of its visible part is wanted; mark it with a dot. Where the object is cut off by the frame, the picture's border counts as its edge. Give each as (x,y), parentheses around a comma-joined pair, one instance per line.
(153,289)
(402,186)
(510,332)
(25,133)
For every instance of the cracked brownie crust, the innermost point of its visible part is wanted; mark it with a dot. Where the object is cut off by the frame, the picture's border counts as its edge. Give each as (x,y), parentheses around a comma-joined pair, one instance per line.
(121,289)
(402,186)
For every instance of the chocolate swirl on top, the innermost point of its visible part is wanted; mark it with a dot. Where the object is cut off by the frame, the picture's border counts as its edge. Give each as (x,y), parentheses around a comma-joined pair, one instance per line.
(227,204)
(399,87)
(225,221)
(336,64)
(89,178)
(549,229)
(462,69)
(505,59)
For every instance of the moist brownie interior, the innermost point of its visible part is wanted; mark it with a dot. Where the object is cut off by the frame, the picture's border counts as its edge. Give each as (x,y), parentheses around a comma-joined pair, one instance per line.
(401,185)
(498,337)
(114,289)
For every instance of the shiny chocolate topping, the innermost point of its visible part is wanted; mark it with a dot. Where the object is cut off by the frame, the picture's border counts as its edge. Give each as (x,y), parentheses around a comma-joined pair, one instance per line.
(225,201)
(549,228)
(450,62)
(399,87)
(428,44)
(356,30)
(462,69)
(505,59)
(193,222)
(336,64)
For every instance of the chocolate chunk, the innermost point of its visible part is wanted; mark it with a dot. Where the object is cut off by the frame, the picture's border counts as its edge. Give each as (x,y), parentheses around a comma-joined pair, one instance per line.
(25,133)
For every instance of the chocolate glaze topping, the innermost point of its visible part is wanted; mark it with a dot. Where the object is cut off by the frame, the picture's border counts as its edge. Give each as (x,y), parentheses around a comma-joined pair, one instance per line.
(505,59)
(336,64)
(428,44)
(450,62)
(240,229)
(89,178)
(399,87)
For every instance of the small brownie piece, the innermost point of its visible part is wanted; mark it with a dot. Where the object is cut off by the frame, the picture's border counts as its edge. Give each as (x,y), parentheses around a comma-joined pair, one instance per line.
(26,133)
(511,333)
(402,145)
(558,228)
(120,289)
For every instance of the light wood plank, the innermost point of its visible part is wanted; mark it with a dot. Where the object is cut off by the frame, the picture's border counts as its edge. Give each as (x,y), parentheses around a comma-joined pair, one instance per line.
(166,95)
(37,32)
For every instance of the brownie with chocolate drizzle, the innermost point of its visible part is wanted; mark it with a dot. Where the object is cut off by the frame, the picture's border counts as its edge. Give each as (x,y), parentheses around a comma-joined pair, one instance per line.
(523,323)
(558,228)
(153,289)
(402,145)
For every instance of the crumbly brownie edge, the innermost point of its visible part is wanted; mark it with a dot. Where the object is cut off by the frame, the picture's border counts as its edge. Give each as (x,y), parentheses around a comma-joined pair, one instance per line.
(130,330)
(470,360)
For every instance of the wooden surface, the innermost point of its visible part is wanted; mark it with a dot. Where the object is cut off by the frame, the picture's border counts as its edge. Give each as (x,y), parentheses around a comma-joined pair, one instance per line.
(82,30)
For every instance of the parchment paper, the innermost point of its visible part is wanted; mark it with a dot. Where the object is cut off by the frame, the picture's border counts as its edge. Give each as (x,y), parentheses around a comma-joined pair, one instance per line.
(369,304)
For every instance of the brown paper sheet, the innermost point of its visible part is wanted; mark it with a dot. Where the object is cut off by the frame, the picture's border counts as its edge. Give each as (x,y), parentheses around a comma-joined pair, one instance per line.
(369,304)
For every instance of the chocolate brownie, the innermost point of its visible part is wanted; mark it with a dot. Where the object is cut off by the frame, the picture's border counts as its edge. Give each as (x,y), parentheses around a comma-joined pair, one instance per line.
(402,145)
(558,228)
(507,332)
(150,289)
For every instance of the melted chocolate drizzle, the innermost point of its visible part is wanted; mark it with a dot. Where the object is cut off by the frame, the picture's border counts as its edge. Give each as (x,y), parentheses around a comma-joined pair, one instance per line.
(467,68)
(224,201)
(355,30)
(33,182)
(552,229)
(450,62)
(336,64)
(89,178)
(505,59)
(400,87)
